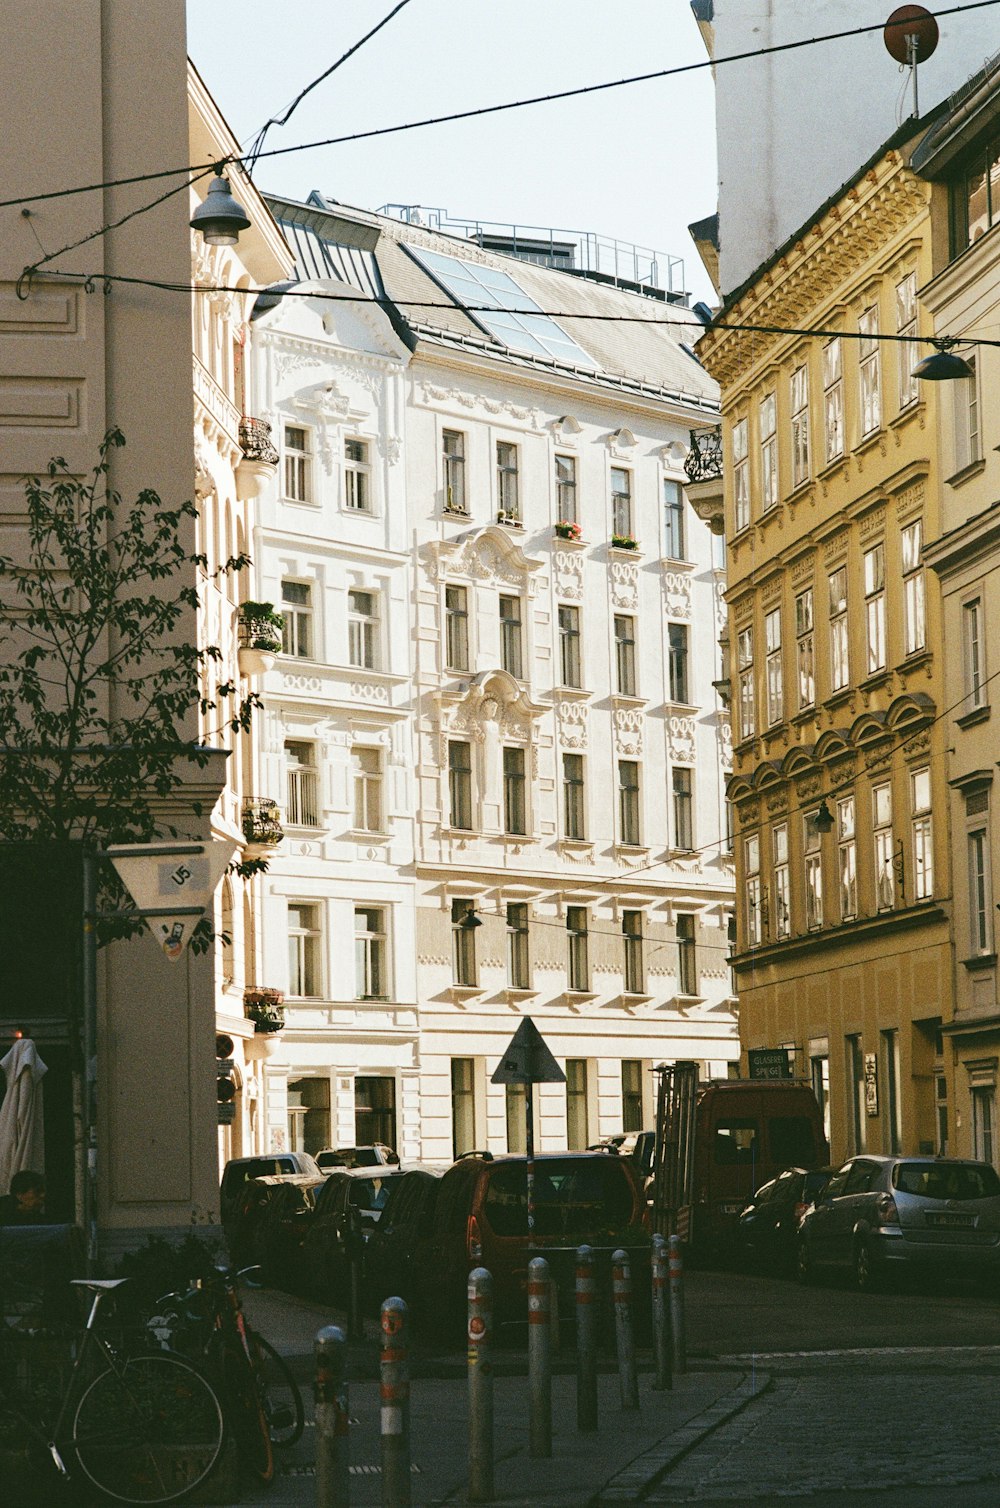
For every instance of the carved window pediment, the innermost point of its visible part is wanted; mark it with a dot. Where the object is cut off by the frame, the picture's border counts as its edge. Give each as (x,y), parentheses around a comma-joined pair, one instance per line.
(489,555)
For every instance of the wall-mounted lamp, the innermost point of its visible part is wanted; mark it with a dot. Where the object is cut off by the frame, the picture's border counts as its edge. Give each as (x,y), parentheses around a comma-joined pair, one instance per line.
(822,818)
(470,921)
(220,217)
(943,365)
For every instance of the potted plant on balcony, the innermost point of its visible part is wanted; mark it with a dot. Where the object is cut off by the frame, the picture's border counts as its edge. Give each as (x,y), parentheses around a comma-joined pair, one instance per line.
(624,542)
(566,529)
(260,458)
(259,637)
(511,520)
(264,1006)
(262,822)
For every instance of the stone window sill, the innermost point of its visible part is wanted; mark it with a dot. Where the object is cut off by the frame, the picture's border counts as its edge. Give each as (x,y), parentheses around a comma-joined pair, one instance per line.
(980,961)
(966,473)
(977,715)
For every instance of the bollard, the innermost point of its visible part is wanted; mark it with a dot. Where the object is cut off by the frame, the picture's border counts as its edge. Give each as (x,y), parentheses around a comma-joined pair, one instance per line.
(333,1482)
(586,1341)
(662,1344)
(539,1359)
(677,1304)
(621,1283)
(394,1396)
(480,1386)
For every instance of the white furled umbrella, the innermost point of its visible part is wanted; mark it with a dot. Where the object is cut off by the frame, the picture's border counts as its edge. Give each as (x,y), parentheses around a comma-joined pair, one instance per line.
(22,1143)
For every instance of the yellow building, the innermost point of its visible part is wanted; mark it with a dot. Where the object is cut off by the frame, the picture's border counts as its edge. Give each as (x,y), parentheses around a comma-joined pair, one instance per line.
(836,678)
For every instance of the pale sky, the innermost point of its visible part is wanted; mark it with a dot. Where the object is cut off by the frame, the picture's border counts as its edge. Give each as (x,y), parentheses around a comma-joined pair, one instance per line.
(637,163)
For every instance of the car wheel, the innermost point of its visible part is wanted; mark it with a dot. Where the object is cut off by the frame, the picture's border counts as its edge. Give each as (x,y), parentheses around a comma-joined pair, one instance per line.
(866,1274)
(804,1270)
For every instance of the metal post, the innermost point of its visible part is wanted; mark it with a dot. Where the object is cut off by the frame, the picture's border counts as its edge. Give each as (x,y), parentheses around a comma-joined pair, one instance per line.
(529,1149)
(677,1304)
(621,1283)
(662,1347)
(333,1482)
(539,1359)
(394,1395)
(586,1341)
(355,1324)
(480,1386)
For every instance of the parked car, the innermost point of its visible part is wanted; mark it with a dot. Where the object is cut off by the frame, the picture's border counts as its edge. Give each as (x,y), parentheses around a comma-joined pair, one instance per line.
(245,1229)
(376,1155)
(406,1220)
(282,1222)
(347,1209)
(480,1219)
(768,1227)
(240,1170)
(638,1146)
(879,1217)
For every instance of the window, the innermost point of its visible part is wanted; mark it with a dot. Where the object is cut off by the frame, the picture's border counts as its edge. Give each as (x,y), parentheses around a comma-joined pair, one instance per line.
(980,207)
(804,661)
(772,667)
(856,1090)
(463,935)
(800,424)
(303,950)
(369,953)
(297,464)
(975,653)
(518,971)
(981,922)
(375,1111)
(632,1108)
(366,768)
(751,851)
(514,805)
(741,477)
(357,477)
(463,1105)
(680,779)
(456,627)
(847,858)
(578,972)
(819,1067)
(566,505)
(621,501)
(687,958)
(625,655)
(296,610)
(308,1115)
(577,1120)
(362,630)
(984,1110)
(839,658)
(941,1114)
(574,821)
(874,568)
(782,910)
(923,857)
(882,835)
(635,974)
(813,872)
(508,499)
(460,783)
(868,371)
(673,521)
(768,452)
(677,662)
(914,616)
(510,636)
(968,446)
(628,803)
(833,401)
(908,351)
(744,666)
(453,460)
(301,806)
(569,645)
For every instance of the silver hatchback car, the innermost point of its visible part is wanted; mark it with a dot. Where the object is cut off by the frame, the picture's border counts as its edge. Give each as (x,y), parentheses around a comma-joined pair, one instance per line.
(879,1216)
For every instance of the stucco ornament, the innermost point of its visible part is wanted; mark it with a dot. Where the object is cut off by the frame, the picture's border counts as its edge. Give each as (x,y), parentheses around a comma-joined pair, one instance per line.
(681,732)
(677,591)
(573,724)
(490,556)
(624,583)
(628,723)
(569,573)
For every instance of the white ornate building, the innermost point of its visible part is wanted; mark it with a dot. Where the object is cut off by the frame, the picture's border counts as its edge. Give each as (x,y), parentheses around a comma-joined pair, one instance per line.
(493,732)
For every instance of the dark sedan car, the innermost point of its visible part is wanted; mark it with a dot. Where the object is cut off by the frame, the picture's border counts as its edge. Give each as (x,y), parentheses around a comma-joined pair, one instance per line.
(347,1209)
(768,1226)
(407,1219)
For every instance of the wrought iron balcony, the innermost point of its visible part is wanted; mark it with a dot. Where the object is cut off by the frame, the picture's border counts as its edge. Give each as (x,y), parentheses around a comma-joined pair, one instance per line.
(255,441)
(262,822)
(704,460)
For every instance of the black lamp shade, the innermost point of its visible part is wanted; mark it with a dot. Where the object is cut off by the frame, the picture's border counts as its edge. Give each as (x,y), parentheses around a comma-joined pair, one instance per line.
(470,921)
(823,818)
(220,217)
(942,366)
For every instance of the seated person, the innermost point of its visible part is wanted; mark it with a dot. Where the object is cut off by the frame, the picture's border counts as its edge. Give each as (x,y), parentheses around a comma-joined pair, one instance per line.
(25,1204)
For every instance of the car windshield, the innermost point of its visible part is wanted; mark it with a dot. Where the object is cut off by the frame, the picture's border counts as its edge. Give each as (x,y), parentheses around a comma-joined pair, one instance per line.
(576,1201)
(946,1181)
(369,1193)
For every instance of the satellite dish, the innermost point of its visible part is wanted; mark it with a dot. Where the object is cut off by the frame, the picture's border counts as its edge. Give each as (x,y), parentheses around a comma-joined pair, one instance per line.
(911,34)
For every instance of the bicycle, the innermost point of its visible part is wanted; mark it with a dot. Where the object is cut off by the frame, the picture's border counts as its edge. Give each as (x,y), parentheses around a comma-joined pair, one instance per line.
(264,1403)
(144,1428)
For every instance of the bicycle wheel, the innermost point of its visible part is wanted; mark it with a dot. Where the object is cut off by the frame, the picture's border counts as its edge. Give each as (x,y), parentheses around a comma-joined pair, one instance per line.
(244,1400)
(149,1433)
(286,1417)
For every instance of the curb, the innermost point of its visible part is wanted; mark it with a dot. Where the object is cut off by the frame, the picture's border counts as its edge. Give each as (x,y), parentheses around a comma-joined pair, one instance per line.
(636,1480)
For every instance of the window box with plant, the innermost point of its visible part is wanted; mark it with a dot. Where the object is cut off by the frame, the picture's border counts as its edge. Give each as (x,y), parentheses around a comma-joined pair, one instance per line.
(566,529)
(260,637)
(509,519)
(624,542)
(265,1007)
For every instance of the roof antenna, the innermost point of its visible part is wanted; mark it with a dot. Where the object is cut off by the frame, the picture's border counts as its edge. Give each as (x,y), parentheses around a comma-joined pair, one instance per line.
(911,36)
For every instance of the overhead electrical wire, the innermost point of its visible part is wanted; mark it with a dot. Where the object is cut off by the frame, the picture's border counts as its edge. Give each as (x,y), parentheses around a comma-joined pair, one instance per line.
(538,99)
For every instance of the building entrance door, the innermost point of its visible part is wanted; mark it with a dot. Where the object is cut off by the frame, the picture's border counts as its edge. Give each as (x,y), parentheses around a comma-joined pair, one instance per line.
(375,1111)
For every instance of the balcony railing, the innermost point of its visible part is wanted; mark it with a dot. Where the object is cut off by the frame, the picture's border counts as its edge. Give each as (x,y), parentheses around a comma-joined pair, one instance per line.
(255,441)
(704,460)
(262,822)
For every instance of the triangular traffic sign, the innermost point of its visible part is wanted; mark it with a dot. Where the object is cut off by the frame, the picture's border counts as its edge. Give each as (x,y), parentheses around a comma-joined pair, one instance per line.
(527,1060)
(161,876)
